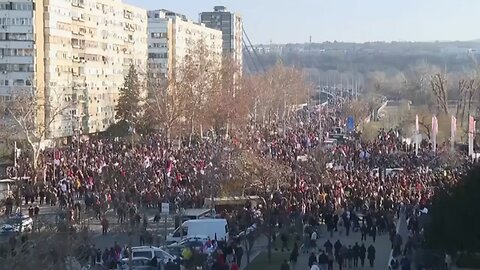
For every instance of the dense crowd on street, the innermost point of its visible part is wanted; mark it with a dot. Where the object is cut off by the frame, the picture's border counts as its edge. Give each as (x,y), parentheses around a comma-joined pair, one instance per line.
(363,188)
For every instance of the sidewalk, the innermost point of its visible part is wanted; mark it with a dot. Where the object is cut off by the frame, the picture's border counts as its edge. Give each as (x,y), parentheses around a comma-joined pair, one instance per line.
(260,244)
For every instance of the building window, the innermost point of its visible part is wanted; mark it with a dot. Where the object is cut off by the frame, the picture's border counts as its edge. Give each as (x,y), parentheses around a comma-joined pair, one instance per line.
(18,82)
(158,35)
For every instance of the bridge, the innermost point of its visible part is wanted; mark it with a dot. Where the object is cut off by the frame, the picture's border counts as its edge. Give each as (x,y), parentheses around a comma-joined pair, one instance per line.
(329,93)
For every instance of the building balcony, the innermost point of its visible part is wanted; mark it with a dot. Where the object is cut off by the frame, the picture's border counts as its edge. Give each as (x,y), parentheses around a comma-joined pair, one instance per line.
(79,19)
(130,28)
(79,4)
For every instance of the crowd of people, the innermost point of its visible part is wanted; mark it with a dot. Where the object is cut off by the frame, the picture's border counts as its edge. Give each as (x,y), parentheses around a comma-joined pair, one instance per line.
(362,186)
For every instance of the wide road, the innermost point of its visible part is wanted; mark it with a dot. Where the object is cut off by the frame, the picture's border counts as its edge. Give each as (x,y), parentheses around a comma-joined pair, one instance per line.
(382,246)
(121,234)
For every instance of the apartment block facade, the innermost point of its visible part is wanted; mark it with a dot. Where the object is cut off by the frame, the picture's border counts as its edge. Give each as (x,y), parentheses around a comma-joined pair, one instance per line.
(83,49)
(171,36)
(231,25)
(17,46)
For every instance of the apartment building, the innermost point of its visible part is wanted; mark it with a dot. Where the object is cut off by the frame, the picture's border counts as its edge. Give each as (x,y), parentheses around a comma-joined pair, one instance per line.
(81,51)
(171,36)
(17,46)
(231,25)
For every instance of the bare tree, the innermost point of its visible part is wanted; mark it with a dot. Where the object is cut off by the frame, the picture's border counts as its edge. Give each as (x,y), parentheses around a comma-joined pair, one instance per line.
(34,118)
(438,85)
(166,103)
(281,87)
(359,110)
(48,250)
(228,102)
(263,176)
(196,75)
(315,166)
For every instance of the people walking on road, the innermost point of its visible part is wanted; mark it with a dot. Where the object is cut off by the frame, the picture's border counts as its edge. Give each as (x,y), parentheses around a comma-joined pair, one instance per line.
(371,255)
(328,247)
(349,257)
(315,267)
(448,261)
(294,256)
(331,260)
(364,231)
(239,254)
(373,233)
(406,264)
(355,254)
(343,257)
(323,260)
(312,259)
(104,224)
(362,254)
(313,240)
(285,266)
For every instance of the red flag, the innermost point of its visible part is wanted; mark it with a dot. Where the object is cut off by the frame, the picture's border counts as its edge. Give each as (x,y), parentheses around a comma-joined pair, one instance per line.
(169,167)
(471,125)
(56,154)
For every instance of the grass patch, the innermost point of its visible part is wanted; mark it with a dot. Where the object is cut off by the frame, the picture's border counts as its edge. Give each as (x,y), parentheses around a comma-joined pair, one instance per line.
(261,261)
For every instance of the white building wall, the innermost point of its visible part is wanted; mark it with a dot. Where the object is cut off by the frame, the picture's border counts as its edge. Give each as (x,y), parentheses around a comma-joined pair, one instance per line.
(166,55)
(90,46)
(16,46)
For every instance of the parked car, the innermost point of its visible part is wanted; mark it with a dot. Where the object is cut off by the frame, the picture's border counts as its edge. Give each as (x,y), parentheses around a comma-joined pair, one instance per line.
(198,242)
(17,224)
(148,252)
(138,263)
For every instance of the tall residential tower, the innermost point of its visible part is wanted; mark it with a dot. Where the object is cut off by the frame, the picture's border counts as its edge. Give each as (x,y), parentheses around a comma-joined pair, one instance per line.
(231,25)
(172,35)
(73,54)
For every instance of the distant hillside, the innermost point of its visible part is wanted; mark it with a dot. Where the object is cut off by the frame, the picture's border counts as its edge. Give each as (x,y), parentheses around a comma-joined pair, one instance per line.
(372,56)
(374,67)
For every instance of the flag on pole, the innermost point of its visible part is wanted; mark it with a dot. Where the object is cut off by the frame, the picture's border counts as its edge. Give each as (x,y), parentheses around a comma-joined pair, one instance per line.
(434,133)
(471,125)
(417,128)
(434,125)
(417,134)
(453,131)
(471,134)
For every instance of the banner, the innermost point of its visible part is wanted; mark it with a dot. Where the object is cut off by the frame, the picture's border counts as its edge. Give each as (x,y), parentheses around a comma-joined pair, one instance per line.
(417,134)
(453,132)
(350,124)
(434,133)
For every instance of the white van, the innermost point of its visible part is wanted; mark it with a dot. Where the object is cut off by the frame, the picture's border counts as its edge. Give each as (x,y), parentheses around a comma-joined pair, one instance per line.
(215,229)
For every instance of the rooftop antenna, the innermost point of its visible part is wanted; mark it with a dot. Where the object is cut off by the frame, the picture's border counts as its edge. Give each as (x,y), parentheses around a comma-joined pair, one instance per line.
(310,39)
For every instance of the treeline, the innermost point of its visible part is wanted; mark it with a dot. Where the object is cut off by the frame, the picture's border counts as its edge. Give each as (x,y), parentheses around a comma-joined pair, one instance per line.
(205,93)
(398,70)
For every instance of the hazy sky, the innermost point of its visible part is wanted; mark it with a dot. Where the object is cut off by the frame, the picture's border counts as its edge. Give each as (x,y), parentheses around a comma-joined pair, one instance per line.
(282,21)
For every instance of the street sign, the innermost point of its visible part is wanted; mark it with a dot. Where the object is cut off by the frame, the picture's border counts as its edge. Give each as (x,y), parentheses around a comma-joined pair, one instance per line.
(165,208)
(350,123)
